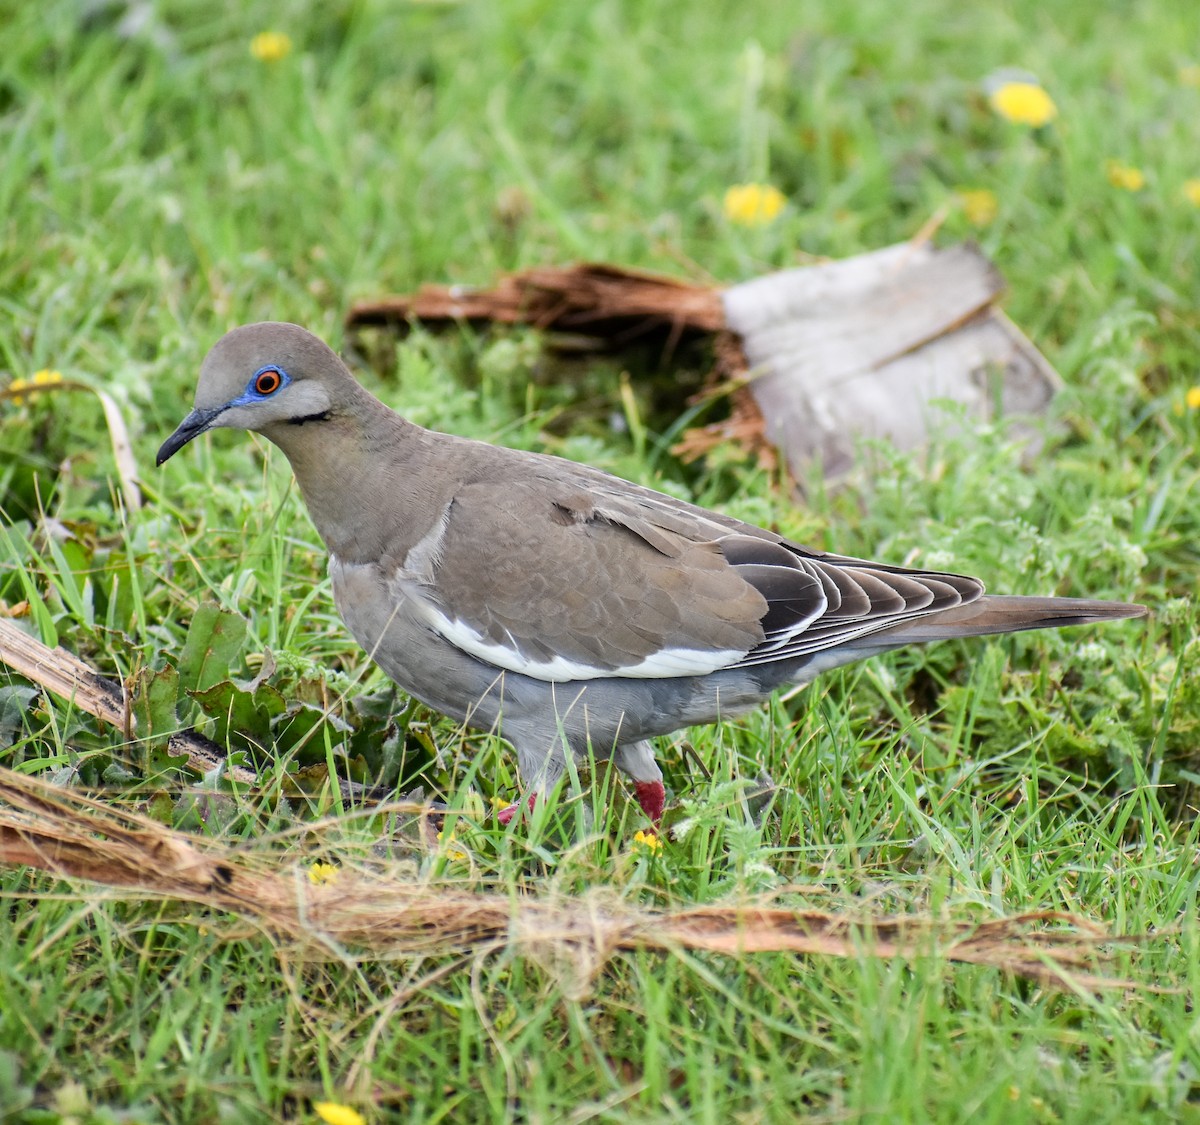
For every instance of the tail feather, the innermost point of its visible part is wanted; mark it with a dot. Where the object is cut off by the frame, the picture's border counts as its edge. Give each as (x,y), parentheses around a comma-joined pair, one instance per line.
(1006,613)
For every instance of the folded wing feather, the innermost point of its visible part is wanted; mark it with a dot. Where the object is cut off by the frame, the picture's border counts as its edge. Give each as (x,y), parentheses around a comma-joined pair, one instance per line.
(573,584)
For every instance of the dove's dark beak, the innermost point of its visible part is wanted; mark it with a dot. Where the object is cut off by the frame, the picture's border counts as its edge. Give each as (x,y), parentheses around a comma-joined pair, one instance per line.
(192,426)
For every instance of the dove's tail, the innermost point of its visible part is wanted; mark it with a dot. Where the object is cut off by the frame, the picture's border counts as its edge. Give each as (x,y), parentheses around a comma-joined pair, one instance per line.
(1004,613)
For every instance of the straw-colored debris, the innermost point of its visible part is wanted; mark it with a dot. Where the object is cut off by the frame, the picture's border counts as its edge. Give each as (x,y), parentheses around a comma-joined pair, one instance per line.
(368,912)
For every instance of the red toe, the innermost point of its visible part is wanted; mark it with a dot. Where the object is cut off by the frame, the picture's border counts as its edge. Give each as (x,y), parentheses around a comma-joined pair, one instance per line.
(652,797)
(505,815)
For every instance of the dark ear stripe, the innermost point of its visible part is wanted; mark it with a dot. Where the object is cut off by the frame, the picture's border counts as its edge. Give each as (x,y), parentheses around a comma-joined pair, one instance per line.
(321,416)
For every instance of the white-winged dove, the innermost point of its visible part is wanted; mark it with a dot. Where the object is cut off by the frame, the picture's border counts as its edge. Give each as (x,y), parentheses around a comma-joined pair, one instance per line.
(555,602)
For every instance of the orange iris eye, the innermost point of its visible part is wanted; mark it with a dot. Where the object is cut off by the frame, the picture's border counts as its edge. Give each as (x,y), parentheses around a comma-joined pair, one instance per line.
(268,382)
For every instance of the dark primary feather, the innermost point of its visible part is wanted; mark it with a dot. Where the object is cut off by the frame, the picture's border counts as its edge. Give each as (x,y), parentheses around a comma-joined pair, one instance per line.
(852,599)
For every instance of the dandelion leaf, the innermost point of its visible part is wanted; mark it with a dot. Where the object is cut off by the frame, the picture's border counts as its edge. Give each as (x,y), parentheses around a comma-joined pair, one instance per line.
(214,642)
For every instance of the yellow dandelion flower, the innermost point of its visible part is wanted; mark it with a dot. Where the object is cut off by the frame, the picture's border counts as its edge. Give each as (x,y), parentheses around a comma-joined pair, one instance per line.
(753,205)
(1189,75)
(647,840)
(1024,103)
(1191,192)
(271,46)
(979,205)
(1192,398)
(451,853)
(333,1113)
(1124,176)
(44,378)
(321,874)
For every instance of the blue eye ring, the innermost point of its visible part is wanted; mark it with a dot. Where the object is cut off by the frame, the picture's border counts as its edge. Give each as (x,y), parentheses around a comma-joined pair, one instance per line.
(267,380)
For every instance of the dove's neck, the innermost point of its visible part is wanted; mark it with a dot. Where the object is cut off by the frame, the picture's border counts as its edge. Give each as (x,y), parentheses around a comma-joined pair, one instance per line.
(367,477)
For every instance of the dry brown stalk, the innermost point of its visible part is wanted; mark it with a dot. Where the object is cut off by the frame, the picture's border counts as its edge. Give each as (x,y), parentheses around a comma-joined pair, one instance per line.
(589,298)
(369,912)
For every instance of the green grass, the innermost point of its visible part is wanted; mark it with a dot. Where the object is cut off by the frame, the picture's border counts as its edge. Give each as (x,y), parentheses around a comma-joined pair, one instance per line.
(160,187)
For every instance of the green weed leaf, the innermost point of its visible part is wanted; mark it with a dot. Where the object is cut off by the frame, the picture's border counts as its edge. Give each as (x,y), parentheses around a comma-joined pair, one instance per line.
(243,716)
(214,642)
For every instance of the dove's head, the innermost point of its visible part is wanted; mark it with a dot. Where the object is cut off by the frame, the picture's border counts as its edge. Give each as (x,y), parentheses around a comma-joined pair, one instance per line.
(263,376)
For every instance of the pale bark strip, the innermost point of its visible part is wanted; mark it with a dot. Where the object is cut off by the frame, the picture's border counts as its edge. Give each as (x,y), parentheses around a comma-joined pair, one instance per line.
(63,674)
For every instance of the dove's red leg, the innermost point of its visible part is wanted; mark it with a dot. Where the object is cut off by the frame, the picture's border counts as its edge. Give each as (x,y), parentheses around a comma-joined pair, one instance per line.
(505,815)
(637,761)
(652,797)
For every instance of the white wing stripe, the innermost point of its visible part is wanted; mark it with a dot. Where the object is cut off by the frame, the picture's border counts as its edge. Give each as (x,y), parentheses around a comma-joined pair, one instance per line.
(660,665)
